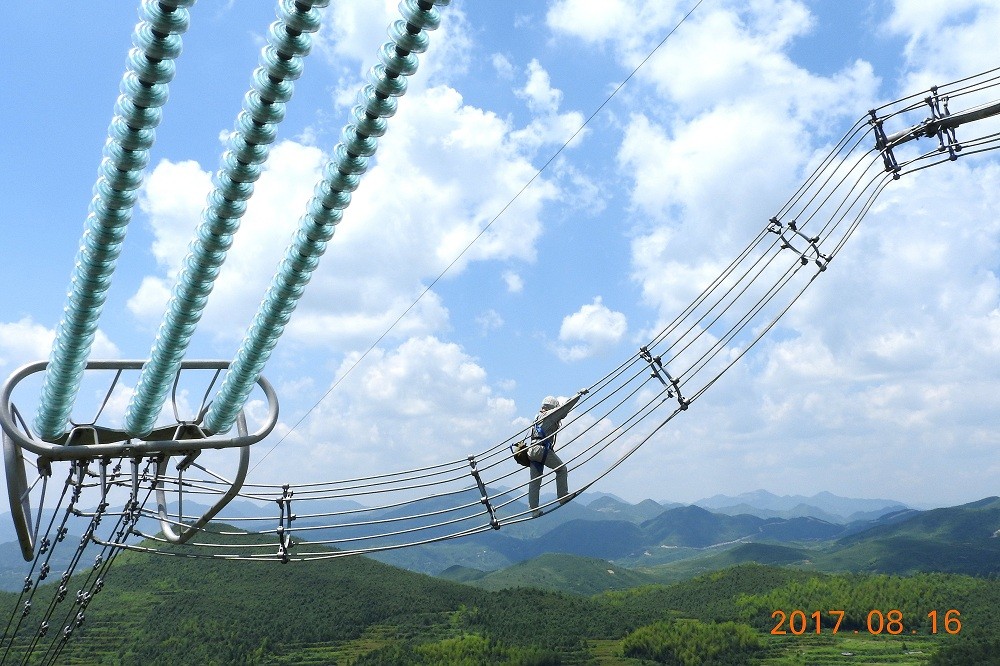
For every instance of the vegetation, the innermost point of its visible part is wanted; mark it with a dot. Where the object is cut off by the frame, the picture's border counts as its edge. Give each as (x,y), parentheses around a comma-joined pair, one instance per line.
(160,610)
(562,573)
(981,651)
(692,643)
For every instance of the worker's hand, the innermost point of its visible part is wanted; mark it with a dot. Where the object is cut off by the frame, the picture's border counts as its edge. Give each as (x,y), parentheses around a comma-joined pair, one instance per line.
(583,391)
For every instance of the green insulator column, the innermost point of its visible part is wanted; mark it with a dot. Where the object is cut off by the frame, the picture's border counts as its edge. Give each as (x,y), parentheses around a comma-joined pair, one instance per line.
(249,146)
(149,68)
(359,140)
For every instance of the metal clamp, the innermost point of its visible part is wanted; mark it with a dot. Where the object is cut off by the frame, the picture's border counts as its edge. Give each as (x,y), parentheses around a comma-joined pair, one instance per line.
(811,253)
(672,384)
(494,523)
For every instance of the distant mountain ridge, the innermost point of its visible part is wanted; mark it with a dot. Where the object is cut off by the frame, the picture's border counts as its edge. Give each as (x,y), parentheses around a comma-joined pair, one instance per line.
(960,539)
(823,505)
(685,532)
(691,538)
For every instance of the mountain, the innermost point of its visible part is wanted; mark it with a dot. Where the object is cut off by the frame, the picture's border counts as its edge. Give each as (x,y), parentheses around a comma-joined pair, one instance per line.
(805,528)
(696,527)
(615,509)
(605,539)
(184,610)
(714,560)
(958,524)
(608,528)
(826,505)
(462,574)
(797,511)
(180,610)
(558,572)
(7,532)
(956,539)
(13,568)
(687,541)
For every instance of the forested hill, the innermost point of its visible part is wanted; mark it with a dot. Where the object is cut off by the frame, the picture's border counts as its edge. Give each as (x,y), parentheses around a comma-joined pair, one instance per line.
(681,541)
(163,610)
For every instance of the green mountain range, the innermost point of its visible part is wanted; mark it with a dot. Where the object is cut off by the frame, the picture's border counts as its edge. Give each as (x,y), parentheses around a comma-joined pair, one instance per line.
(168,610)
(672,542)
(685,542)
(571,608)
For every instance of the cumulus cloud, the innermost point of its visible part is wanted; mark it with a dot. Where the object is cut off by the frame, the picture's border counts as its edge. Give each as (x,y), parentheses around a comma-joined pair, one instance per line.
(592,329)
(504,67)
(451,168)
(354,30)
(734,141)
(514,282)
(23,341)
(444,170)
(879,371)
(549,125)
(173,197)
(944,41)
(600,22)
(889,347)
(425,401)
(26,340)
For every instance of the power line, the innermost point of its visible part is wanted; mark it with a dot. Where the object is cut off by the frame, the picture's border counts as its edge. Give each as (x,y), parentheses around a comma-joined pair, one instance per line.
(485,228)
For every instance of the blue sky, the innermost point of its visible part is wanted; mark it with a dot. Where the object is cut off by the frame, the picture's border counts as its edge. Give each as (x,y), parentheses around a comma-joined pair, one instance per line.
(884,382)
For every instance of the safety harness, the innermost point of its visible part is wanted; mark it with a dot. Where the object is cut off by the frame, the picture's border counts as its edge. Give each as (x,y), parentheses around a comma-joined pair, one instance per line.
(547,443)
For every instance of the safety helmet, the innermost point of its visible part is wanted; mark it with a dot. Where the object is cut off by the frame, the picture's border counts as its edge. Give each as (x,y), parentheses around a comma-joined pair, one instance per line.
(550,402)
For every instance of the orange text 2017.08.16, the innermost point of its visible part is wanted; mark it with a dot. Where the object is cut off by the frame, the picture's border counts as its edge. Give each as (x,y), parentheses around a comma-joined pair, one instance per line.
(797,622)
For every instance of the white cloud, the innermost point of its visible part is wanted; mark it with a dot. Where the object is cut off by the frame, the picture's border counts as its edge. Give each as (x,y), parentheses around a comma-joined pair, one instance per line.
(945,40)
(25,340)
(514,282)
(173,196)
(150,300)
(599,22)
(490,320)
(504,68)
(421,403)
(590,330)
(729,140)
(355,29)
(883,369)
(880,371)
(450,167)
(538,91)
(549,126)
(885,354)
(352,28)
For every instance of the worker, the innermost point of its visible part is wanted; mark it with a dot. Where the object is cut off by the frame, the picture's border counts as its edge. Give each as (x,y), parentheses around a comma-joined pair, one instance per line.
(541,452)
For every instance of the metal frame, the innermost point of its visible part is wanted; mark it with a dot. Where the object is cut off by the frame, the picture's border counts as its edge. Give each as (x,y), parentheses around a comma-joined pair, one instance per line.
(114,443)
(18,493)
(166,524)
(90,441)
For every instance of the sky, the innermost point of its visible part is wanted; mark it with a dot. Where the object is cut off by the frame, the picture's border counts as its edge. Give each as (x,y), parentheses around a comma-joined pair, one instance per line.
(885,380)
